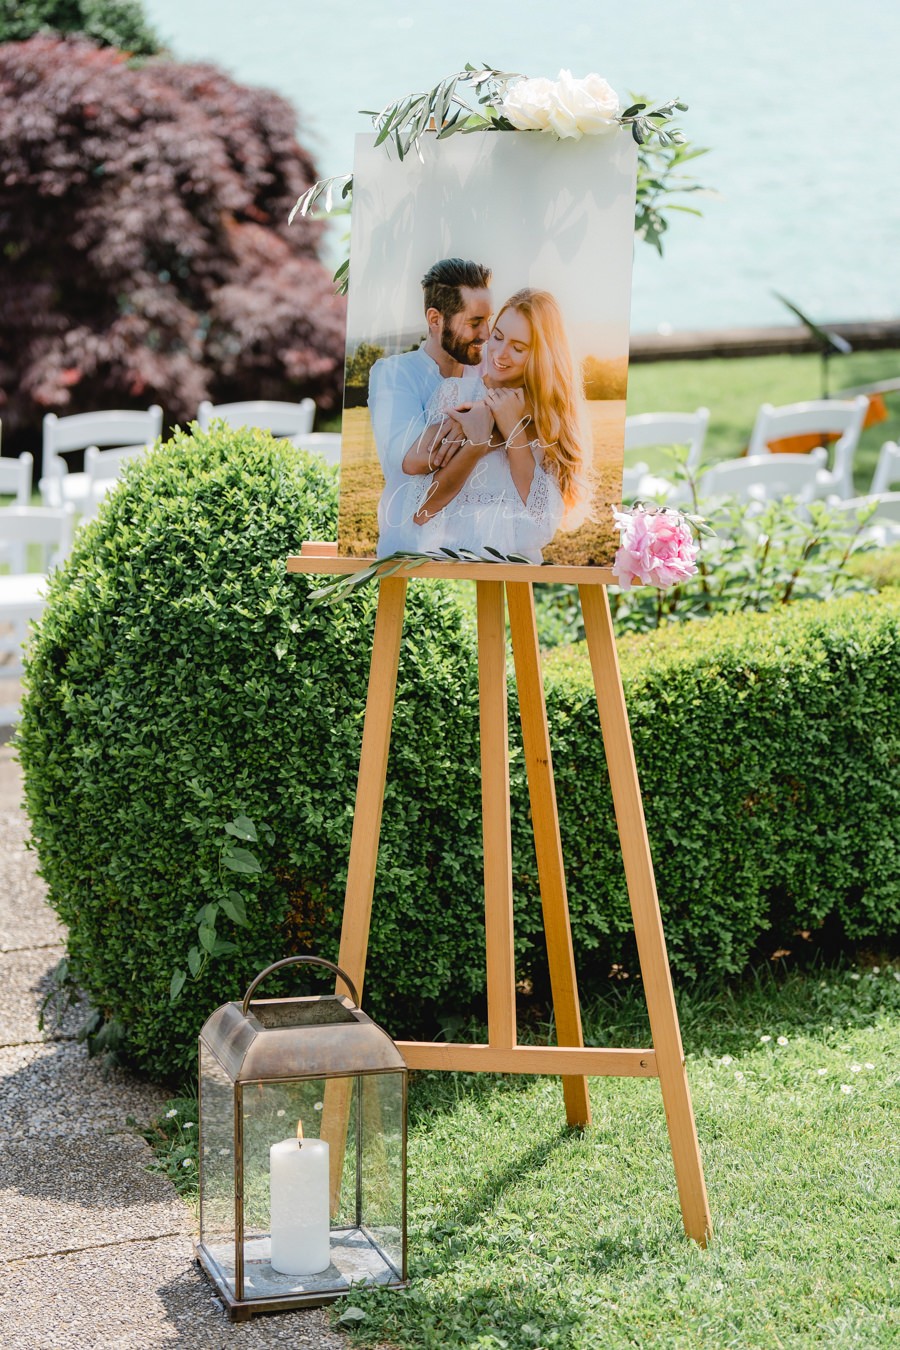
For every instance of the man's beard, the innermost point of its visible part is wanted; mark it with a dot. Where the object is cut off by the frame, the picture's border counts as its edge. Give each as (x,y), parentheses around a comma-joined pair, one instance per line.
(466,353)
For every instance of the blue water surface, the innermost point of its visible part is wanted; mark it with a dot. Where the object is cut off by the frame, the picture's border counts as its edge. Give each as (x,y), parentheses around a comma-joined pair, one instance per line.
(797,100)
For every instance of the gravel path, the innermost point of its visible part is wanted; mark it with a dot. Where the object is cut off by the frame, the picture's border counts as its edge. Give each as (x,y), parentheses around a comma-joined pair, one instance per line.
(95,1250)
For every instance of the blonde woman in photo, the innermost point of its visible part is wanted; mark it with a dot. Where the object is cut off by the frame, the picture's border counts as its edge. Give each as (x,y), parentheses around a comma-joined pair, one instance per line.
(517,472)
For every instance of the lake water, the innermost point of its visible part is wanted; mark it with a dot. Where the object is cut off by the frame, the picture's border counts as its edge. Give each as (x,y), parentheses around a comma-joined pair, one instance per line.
(797,100)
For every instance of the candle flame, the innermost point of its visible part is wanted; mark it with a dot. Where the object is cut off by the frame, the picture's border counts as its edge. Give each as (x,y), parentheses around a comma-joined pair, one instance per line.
(300,1133)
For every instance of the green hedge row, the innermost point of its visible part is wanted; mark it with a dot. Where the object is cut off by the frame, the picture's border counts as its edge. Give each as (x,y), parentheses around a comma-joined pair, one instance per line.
(179,678)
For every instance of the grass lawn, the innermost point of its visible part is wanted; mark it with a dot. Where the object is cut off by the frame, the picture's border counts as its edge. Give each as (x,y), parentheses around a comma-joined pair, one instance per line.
(734,389)
(524,1234)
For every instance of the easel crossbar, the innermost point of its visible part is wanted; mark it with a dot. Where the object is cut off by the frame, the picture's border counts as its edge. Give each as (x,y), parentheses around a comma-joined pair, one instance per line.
(591,1061)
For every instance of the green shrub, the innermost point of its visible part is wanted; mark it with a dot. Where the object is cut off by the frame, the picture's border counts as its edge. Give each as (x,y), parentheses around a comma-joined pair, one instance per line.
(180,678)
(879,568)
(175,651)
(768,748)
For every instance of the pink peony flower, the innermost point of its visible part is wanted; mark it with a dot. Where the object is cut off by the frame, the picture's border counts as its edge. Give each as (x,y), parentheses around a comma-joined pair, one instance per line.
(657,548)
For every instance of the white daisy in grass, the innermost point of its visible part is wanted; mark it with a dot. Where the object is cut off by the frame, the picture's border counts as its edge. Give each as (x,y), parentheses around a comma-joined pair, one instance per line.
(856,1068)
(765,1039)
(846,1089)
(867,1065)
(170,1115)
(782,1040)
(821,1072)
(726,1060)
(738,1076)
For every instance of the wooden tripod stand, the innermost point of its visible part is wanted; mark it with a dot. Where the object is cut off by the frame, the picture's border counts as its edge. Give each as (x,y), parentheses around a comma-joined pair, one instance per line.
(570,1058)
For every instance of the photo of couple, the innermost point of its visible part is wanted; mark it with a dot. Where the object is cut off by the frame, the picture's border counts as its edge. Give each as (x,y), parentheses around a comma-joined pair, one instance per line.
(477,429)
(484,395)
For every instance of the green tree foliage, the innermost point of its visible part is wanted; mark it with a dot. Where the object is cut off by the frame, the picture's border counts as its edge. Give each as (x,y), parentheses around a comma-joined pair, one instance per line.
(112,23)
(361,362)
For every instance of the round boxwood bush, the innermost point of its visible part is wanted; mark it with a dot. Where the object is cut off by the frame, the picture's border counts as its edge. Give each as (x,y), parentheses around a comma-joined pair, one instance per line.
(180,682)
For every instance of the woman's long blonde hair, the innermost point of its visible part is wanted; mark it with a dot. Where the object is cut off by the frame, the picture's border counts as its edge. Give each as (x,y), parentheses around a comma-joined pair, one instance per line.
(552,389)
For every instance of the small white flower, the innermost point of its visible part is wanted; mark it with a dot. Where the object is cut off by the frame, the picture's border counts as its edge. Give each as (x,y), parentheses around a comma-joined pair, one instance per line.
(280,1113)
(187,1163)
(876,970)
(846,1089)
(726,1060)
(867,1065)
(821,1072)
(171,1114)
(765,1039)
(897,975)
(190,1124)
(318,1106)
(855,975)
(782,1040)
(738,1075)
(856,1068)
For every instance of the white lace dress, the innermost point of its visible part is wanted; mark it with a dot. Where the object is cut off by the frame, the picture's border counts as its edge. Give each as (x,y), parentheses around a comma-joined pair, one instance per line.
(488,508)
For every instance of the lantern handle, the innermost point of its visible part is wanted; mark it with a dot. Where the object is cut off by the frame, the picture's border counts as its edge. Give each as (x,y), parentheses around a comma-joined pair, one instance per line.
(297,961)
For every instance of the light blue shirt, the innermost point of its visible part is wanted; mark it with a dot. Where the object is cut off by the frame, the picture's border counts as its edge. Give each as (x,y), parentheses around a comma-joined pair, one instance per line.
(400,388)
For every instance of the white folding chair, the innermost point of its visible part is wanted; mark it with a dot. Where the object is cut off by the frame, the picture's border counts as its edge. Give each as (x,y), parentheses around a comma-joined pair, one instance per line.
(102,468)
(887,470)
(281,419)
(643,430)
(817,417)
(116,427)
(324,443)
(883,527)
(21,591)
(766,477)
(15,478)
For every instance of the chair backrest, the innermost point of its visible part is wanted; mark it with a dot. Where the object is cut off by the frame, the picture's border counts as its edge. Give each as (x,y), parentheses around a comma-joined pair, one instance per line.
(324,443)
(824,417)
(646,429)
(766,477)
(103,465)
(49,527)
(102,468)
(887,470)
(15,478)
(117,426)
(281,419)
(883,526)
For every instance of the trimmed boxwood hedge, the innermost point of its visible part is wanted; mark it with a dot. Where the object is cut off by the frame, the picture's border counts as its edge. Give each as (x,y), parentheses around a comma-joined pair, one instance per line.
(176,659)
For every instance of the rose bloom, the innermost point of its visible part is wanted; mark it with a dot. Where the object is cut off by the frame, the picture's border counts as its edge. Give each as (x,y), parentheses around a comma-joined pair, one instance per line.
(568,107)
(656,549)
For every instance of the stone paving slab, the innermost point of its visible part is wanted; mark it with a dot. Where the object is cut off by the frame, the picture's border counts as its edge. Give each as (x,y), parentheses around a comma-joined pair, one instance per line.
(138,1296)
(25,978)
(10,774)
(55,1091)
(67,1194)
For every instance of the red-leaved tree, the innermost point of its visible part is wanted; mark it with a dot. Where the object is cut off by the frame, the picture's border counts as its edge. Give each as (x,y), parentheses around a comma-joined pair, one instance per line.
(147,255)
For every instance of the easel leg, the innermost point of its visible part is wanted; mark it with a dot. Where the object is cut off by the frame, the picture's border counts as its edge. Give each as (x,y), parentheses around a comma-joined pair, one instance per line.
(547,844)
(364,840)
(645,909)
(495,815)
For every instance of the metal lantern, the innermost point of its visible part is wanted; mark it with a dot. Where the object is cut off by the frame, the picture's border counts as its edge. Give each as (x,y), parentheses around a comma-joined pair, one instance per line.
(302,1150)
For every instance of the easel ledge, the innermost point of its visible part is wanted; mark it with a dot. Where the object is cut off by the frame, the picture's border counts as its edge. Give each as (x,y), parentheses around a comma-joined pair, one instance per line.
(322,559)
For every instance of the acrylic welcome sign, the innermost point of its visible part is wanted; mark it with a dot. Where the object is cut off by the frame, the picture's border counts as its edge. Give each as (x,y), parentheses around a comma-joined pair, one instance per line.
(487,347)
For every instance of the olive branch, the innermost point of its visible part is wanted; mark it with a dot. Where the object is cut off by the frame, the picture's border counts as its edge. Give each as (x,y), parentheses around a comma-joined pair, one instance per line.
(472,100)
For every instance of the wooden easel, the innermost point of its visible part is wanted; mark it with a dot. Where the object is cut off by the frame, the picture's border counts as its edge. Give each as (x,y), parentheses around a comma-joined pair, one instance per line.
(570,1058)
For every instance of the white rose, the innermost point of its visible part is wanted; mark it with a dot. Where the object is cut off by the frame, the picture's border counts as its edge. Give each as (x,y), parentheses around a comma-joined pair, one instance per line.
(529,103)
(587,106)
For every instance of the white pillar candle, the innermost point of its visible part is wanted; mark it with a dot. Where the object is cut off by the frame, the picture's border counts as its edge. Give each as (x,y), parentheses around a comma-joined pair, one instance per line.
(300,1210)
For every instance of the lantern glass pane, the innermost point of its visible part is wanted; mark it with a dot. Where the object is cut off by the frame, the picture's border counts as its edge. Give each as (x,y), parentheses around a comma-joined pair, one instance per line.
(217,1174)
(382,1147)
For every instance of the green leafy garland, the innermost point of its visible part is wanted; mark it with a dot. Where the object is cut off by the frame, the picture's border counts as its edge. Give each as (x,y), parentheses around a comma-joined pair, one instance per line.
(472,100)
